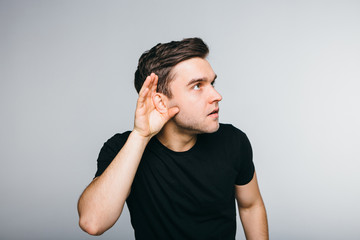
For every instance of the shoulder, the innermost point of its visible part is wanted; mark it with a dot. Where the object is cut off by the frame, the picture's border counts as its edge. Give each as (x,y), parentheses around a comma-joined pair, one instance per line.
(117,141)
(109,150)
(229,131)
(227,135)
(234,138)
(227,127)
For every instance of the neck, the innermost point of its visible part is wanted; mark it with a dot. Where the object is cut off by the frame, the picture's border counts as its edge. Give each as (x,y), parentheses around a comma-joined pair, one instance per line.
(176,139)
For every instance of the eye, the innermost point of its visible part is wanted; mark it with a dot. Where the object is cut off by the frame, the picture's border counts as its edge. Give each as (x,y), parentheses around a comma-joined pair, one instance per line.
(196,87)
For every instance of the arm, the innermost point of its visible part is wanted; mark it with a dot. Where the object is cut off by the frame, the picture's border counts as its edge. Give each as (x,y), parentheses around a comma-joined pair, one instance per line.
(252,210)
(102,202)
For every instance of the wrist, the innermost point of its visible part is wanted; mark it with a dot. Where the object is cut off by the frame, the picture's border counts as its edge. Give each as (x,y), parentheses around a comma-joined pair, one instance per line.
(137,135)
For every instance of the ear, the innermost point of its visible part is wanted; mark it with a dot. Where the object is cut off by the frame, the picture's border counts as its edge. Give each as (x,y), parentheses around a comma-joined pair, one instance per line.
(160,102)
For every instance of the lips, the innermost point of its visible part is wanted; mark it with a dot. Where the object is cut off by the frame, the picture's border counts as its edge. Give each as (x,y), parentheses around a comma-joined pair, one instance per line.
(215,111)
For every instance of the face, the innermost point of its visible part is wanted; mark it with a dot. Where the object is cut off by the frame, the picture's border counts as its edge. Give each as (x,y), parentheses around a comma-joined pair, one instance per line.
(194,94)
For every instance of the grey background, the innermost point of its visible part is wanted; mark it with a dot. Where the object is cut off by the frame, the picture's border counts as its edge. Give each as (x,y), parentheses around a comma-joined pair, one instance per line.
(288,71)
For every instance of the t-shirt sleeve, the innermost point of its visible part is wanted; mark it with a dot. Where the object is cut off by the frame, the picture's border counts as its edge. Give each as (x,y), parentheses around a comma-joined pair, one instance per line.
(246,166)
(109,150)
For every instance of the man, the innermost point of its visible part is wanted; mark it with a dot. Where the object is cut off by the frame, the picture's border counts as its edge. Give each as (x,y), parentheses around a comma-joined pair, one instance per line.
(179,170)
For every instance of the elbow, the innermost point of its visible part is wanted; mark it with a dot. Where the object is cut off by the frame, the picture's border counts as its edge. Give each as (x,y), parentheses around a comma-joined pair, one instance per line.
(252,206)
(90,227)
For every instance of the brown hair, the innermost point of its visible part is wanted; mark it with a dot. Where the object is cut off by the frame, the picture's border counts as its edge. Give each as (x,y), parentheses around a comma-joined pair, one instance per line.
(163,57)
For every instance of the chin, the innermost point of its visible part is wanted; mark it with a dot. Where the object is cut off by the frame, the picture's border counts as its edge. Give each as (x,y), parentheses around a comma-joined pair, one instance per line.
(197,127)
(214,129)
(211,128)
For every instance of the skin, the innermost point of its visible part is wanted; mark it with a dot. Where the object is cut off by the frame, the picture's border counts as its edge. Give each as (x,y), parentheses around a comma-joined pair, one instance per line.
(252,210)
(194,94)
(176,121)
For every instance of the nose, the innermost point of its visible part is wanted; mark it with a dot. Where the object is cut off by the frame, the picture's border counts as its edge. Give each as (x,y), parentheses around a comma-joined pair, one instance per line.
(215,96)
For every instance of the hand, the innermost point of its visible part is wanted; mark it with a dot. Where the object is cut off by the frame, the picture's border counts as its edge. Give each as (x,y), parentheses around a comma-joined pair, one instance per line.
(148,120)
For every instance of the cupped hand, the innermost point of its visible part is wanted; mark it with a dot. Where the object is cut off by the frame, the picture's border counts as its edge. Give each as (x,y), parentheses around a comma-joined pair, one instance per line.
(148,120)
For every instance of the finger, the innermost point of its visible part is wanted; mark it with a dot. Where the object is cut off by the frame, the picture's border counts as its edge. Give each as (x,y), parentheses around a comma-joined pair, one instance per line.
(145,85)
(142,98)
(152,79)
(154,86)
(172,112)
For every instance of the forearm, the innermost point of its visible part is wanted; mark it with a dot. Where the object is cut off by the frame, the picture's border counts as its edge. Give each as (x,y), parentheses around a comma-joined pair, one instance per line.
(103,200)
(254,222)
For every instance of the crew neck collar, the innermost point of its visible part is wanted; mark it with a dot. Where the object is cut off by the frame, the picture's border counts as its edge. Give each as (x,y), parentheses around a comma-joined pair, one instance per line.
(193,148)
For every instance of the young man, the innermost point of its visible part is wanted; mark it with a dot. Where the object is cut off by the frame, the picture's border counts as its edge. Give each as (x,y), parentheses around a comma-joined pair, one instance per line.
(179,170)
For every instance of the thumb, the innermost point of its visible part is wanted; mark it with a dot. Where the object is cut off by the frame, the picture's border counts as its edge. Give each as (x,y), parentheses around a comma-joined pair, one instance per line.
(173,111)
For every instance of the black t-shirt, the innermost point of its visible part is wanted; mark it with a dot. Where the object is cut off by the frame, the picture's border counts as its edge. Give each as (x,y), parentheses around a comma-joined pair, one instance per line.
(186,195)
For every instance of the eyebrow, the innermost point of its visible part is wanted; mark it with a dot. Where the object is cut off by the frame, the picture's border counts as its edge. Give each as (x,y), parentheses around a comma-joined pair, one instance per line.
(197,80)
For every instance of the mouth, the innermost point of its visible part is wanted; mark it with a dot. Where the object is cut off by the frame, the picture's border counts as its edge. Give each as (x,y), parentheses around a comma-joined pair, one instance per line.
(214,113)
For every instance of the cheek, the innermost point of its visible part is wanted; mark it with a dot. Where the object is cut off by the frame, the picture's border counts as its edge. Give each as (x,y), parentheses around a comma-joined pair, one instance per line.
(192,110)
(178,100)
(187,103)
